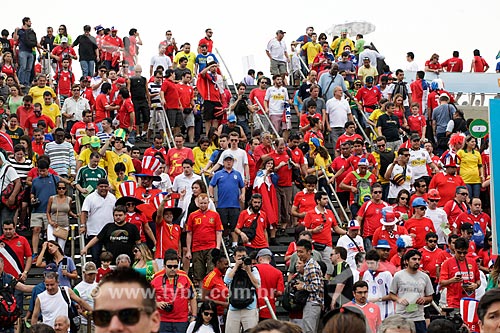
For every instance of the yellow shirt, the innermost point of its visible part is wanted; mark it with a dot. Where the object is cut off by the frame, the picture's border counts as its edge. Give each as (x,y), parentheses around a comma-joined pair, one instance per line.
(469,166)
(115,184)
(364,72)
(112,158)
(312,50)
(320,162)
(191,57)
(339,44)
(37,93)
(52,111)
(201,158)
(84,157)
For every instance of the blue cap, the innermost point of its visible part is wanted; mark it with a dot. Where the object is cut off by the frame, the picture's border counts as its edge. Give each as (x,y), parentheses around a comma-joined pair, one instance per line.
(231,118)
(363,162)
(50,268)
(383,244)
(419,202)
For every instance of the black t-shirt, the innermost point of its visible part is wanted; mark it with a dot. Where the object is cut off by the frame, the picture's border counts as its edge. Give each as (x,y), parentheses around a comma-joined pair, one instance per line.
(119,239)
(179,71)
(86,47)
(390,127)
(342,274)
(138,88)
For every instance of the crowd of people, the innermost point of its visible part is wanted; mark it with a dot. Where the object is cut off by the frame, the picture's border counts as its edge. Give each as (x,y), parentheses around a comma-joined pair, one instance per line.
(387,232)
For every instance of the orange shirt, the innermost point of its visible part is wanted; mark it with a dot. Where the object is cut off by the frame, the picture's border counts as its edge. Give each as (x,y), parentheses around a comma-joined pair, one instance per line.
(167,237)
(204,227)
(214,282)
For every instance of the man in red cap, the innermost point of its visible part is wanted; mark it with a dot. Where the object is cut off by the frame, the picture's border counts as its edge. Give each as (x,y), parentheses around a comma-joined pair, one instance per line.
(438,217)
(446,182)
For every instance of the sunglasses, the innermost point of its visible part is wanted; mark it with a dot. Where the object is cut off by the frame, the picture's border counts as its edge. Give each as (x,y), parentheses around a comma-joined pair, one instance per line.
(136,251)
(380,146)
(406,155)
(403,198)
(208,314)
(377,192)
(433,200)
(129,316)
(464,193)
(61,188)
(432,240)
(171,266)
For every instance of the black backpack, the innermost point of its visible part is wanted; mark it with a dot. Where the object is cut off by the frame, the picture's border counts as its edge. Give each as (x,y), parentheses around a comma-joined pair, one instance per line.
(400,88)
(30,38)
(9,311)
(293,299)
(241,108)
(241,291)
(386,158)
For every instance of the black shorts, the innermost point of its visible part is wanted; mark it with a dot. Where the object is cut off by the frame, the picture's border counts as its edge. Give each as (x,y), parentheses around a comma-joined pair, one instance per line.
(141,109)
(229,217)
(175,118)
(210,109)
(183,239)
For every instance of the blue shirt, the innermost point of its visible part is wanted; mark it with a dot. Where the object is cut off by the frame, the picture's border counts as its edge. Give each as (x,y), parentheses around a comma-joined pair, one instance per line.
(201,60)
(228,280)
(43,188)
(324,83)
(229,185)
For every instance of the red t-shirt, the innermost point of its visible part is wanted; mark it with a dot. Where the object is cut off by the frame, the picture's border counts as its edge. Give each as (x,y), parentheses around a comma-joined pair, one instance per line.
(304,120)
(284,173)
(19,247)
(453,210)
(171,93)
(259,151)
(138,220)
(446,185)
(353,160)
(382,233)
(312,134)
(208,88)
(260,94)
(351,180)
(151,151)
(204,227)
(245,220)
(314,219)
(214,282)
(482,218)
(271,281)
(101,272)
(208,42)
(23,114)
(304,202)
(124,113)
(479,64)
(369,97)
(487,257)
(63,52)
(6,142)
(65,80)
(416,123)
(32,121)
(174,160)
(184,292)
(338,163)
(470,274)
(419,227)
(167,237)
(100,111)
(431,260)
(371,213)
(453,65)
(186,95)
(111,42)
(434,66)
(87,93)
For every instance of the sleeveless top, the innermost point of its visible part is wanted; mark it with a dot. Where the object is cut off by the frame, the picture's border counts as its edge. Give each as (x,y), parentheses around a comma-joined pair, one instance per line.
(59,212)
(52,306)
(147,271)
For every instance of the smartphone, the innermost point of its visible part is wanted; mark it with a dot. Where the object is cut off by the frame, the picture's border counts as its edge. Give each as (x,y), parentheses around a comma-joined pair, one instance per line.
(175,196)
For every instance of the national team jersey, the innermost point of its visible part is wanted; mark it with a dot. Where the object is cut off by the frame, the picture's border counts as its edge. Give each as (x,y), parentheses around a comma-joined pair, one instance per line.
(371,213)
(419,227)
(167,237)
(304,202)
(204,227)
(371,312)
(88,177)
(184,291)
(431,260)
(378,286)
(245,220)
(138,220)
(470,274)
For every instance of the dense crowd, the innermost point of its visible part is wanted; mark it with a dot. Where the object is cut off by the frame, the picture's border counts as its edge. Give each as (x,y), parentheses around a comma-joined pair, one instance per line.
(386,191)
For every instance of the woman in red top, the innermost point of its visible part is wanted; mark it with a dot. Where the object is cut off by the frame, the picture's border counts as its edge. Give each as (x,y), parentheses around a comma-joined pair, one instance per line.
(399,111)
(401,206)
(8,66)
(433,64)
(126,113)
(102,107)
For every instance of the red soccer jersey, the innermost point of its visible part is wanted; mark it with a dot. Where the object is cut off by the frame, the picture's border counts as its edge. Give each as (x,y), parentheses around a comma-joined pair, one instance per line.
(174,160)
(392,237)
(416,123)
(184,292)
(454,64)
(23,114)
(431,260)
(208,88)
(434,66)
(353,160)
(314,219)
(218,291)
(344,138)
(151,151)
(446,185)
(312,134)
(453,209)
(111,45)
(87,93)
(186,95)
(369,97)
(482,219)
(304,120)
(100,108)
(204,227)
(260,151)
(171,93)
(32,121)
(65,80)
(167,237)
(304,202)
(124,113)
(138,220)
(15,250)
(101,272)
(62,53)
(271,281)
(245,220)
(338,163)
(479,64)
(284,173)
(351,180)
(419,227)
(208,42)
(371,213)
(258,94)
(470,274)
(371,312)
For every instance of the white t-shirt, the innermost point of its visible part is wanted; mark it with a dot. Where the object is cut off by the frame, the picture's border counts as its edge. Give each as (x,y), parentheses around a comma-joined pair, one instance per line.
(162,60)
(203,328)
(276,97)
(412,66)
(85,292)
(345,242)
(393,188)
(182,182)
(418,163)
(439,218)
(100,211)
(337,112)
(7,175)
(240,159)
(277,49)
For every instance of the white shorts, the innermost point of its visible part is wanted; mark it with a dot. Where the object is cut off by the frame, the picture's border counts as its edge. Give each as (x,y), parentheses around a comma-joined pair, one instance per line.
(188,119)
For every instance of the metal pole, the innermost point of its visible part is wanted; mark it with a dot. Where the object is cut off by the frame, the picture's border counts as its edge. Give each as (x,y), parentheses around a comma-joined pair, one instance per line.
(305,65)
(81,237)
(161,114)
(165,117)
(268,304)
(227,69)
(331,205)
(336,196)
(362,130)
(267,117)
(370,126)
(225,250)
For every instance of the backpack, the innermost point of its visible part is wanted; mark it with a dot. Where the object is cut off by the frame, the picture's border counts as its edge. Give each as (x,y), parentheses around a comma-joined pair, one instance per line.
(241,291)
(386,158)
(293,299)
(30,38)
(364,189)
(400,88)
(241,108)
(74,317)
(478,235)
(9,311)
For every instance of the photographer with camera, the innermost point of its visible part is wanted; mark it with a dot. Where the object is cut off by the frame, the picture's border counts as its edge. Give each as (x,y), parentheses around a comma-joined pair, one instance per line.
(175,296)
(241,106)
(243,281)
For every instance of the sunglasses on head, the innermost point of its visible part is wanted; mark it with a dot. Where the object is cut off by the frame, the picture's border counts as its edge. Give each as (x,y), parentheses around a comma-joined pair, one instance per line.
(129,316)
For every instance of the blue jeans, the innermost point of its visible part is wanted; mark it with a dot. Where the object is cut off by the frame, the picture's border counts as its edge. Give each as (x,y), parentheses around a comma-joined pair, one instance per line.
(95,251)
(173,327)
(474,190)
(245,127)
(420,326)
(88,67)
(25,65)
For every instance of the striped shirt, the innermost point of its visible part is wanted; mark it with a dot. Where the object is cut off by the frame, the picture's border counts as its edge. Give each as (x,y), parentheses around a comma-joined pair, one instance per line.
(154,88)
(22,168)
(62,157)
(103,136)
(313,282)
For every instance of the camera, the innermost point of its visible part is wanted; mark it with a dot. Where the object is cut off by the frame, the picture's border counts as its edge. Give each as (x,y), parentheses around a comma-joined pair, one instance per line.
(456,319)
(169,307)
(35,203)
(244,97)
(247,260)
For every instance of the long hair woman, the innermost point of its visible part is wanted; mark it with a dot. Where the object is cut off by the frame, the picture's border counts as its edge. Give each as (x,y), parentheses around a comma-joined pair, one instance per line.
(58,213)
(143,261)
(471,166)
(206,321)
(53,253)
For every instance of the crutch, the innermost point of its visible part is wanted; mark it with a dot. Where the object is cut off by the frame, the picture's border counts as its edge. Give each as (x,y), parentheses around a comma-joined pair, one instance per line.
(268,119)
(336,196)
(165,118)
(162,115)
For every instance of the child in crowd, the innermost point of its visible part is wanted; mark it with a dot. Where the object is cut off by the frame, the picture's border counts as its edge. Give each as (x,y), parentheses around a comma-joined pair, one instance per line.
(106,258)
(416,121)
